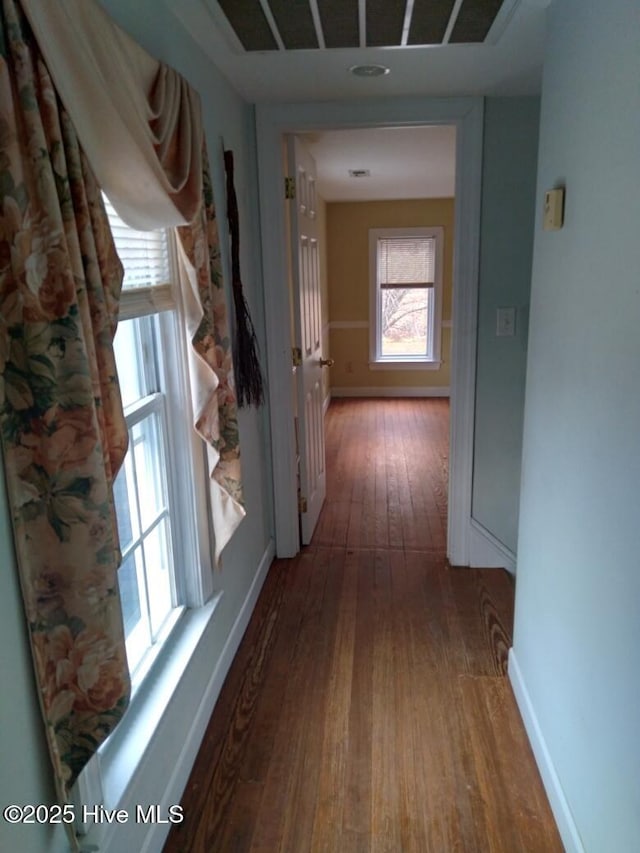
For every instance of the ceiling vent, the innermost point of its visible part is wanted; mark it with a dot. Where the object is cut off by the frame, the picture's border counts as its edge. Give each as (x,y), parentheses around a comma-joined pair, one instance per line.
(266,25)
(360,173)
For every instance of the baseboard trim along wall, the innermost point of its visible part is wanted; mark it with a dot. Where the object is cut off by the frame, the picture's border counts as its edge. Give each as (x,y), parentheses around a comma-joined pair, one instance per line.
(557,800)
(391,391)
(177,781)
(487,552)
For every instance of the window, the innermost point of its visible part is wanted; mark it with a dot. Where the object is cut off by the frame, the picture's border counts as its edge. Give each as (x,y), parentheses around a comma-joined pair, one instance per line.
(405,296)
(166,578)
(154,491)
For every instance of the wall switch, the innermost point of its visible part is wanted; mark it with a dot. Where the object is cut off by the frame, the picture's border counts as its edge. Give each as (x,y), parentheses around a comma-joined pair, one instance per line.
(505,322)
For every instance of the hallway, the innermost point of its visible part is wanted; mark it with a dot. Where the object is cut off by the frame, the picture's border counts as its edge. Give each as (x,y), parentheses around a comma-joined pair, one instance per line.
(367,708)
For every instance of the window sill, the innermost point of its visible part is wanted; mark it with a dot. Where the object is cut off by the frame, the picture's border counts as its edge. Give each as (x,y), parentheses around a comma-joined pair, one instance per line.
(132,742)
(408,364)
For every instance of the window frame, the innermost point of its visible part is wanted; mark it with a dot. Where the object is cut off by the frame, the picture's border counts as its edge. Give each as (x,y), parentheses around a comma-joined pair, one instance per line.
(184,451)
(184,455)
(188,452)
(105,779)
(432,360)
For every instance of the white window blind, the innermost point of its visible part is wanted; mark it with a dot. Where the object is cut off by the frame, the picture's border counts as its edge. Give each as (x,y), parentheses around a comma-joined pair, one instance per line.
(148,262)
(406,262)
(144,254)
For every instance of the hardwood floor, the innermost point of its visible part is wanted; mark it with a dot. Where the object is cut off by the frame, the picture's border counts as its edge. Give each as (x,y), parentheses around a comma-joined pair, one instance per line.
(367,710)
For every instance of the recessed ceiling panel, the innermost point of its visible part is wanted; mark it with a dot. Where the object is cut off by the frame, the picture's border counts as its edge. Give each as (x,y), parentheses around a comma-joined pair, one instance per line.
(340,22)
(429,21)
(266,25)
(475,20)
(295,23)
(385,19)
(249,22)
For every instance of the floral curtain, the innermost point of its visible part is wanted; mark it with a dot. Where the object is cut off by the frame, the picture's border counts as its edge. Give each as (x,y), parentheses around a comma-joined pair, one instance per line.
(62,427)
(61,424)
(139,122)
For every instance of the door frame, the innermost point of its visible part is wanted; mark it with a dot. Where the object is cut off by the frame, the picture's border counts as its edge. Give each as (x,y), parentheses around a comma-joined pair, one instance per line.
(273,122)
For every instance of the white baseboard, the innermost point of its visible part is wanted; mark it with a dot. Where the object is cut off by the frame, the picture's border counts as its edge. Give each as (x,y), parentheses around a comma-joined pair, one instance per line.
(157,834)
(557,800)
(392,391)
(487,552)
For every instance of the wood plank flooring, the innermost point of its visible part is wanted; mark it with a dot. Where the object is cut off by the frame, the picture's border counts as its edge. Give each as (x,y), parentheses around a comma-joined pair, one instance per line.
(367,710)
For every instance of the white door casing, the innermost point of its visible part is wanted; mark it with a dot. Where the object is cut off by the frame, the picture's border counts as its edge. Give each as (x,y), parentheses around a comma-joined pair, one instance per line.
(305,269)
(273,122)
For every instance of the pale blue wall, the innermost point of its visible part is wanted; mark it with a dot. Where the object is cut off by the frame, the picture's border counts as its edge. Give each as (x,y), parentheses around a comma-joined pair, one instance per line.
(506,247)
(577,628)
(24,764)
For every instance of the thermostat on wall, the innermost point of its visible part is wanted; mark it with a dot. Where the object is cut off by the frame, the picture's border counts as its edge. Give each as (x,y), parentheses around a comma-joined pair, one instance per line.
(553,210)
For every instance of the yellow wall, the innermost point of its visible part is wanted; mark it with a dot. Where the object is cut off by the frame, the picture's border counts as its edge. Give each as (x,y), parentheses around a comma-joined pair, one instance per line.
(348,225)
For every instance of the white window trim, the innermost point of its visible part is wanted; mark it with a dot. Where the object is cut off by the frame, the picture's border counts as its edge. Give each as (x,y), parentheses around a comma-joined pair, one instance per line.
(188,475)
(108,776)
(186,482)
(376,360)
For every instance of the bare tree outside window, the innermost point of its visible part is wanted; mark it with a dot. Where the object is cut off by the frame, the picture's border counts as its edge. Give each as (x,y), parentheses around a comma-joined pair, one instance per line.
(405,321)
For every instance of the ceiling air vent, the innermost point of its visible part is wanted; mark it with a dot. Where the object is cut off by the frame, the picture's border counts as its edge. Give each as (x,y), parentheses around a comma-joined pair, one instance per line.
(360,173)
(265,25)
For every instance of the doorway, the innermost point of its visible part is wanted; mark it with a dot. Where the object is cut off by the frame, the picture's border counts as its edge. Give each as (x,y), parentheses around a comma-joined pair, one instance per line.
(273,122)
(381,203)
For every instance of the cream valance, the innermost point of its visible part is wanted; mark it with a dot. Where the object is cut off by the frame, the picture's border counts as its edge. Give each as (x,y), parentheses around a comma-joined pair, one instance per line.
(138,120)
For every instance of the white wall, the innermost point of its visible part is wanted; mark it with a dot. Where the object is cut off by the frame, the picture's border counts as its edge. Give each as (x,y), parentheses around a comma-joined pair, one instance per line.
(24,763)
(577,628)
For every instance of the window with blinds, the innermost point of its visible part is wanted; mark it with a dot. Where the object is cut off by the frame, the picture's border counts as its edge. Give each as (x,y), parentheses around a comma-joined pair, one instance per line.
(154,490)
(405,294)
(160,497)
(144,254)
(406,262)
(149,267)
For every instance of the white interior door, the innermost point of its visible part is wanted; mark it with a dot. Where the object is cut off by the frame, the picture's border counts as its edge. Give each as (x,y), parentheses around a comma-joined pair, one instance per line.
(305,268)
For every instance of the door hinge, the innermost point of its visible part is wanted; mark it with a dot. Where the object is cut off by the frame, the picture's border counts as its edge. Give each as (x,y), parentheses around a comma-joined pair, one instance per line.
(296,356)
(302,504)
(289,188)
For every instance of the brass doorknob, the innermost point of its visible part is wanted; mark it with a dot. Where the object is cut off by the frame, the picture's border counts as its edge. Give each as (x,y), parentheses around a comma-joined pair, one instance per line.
(326,362)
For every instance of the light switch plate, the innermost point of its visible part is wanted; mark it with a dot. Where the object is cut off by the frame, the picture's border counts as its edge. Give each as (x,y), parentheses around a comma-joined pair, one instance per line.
(505,322)
(553,210)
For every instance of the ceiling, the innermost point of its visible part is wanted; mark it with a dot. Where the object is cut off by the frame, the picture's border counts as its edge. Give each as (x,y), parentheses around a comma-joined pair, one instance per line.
(482,47)
(407,162)
(302,50)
